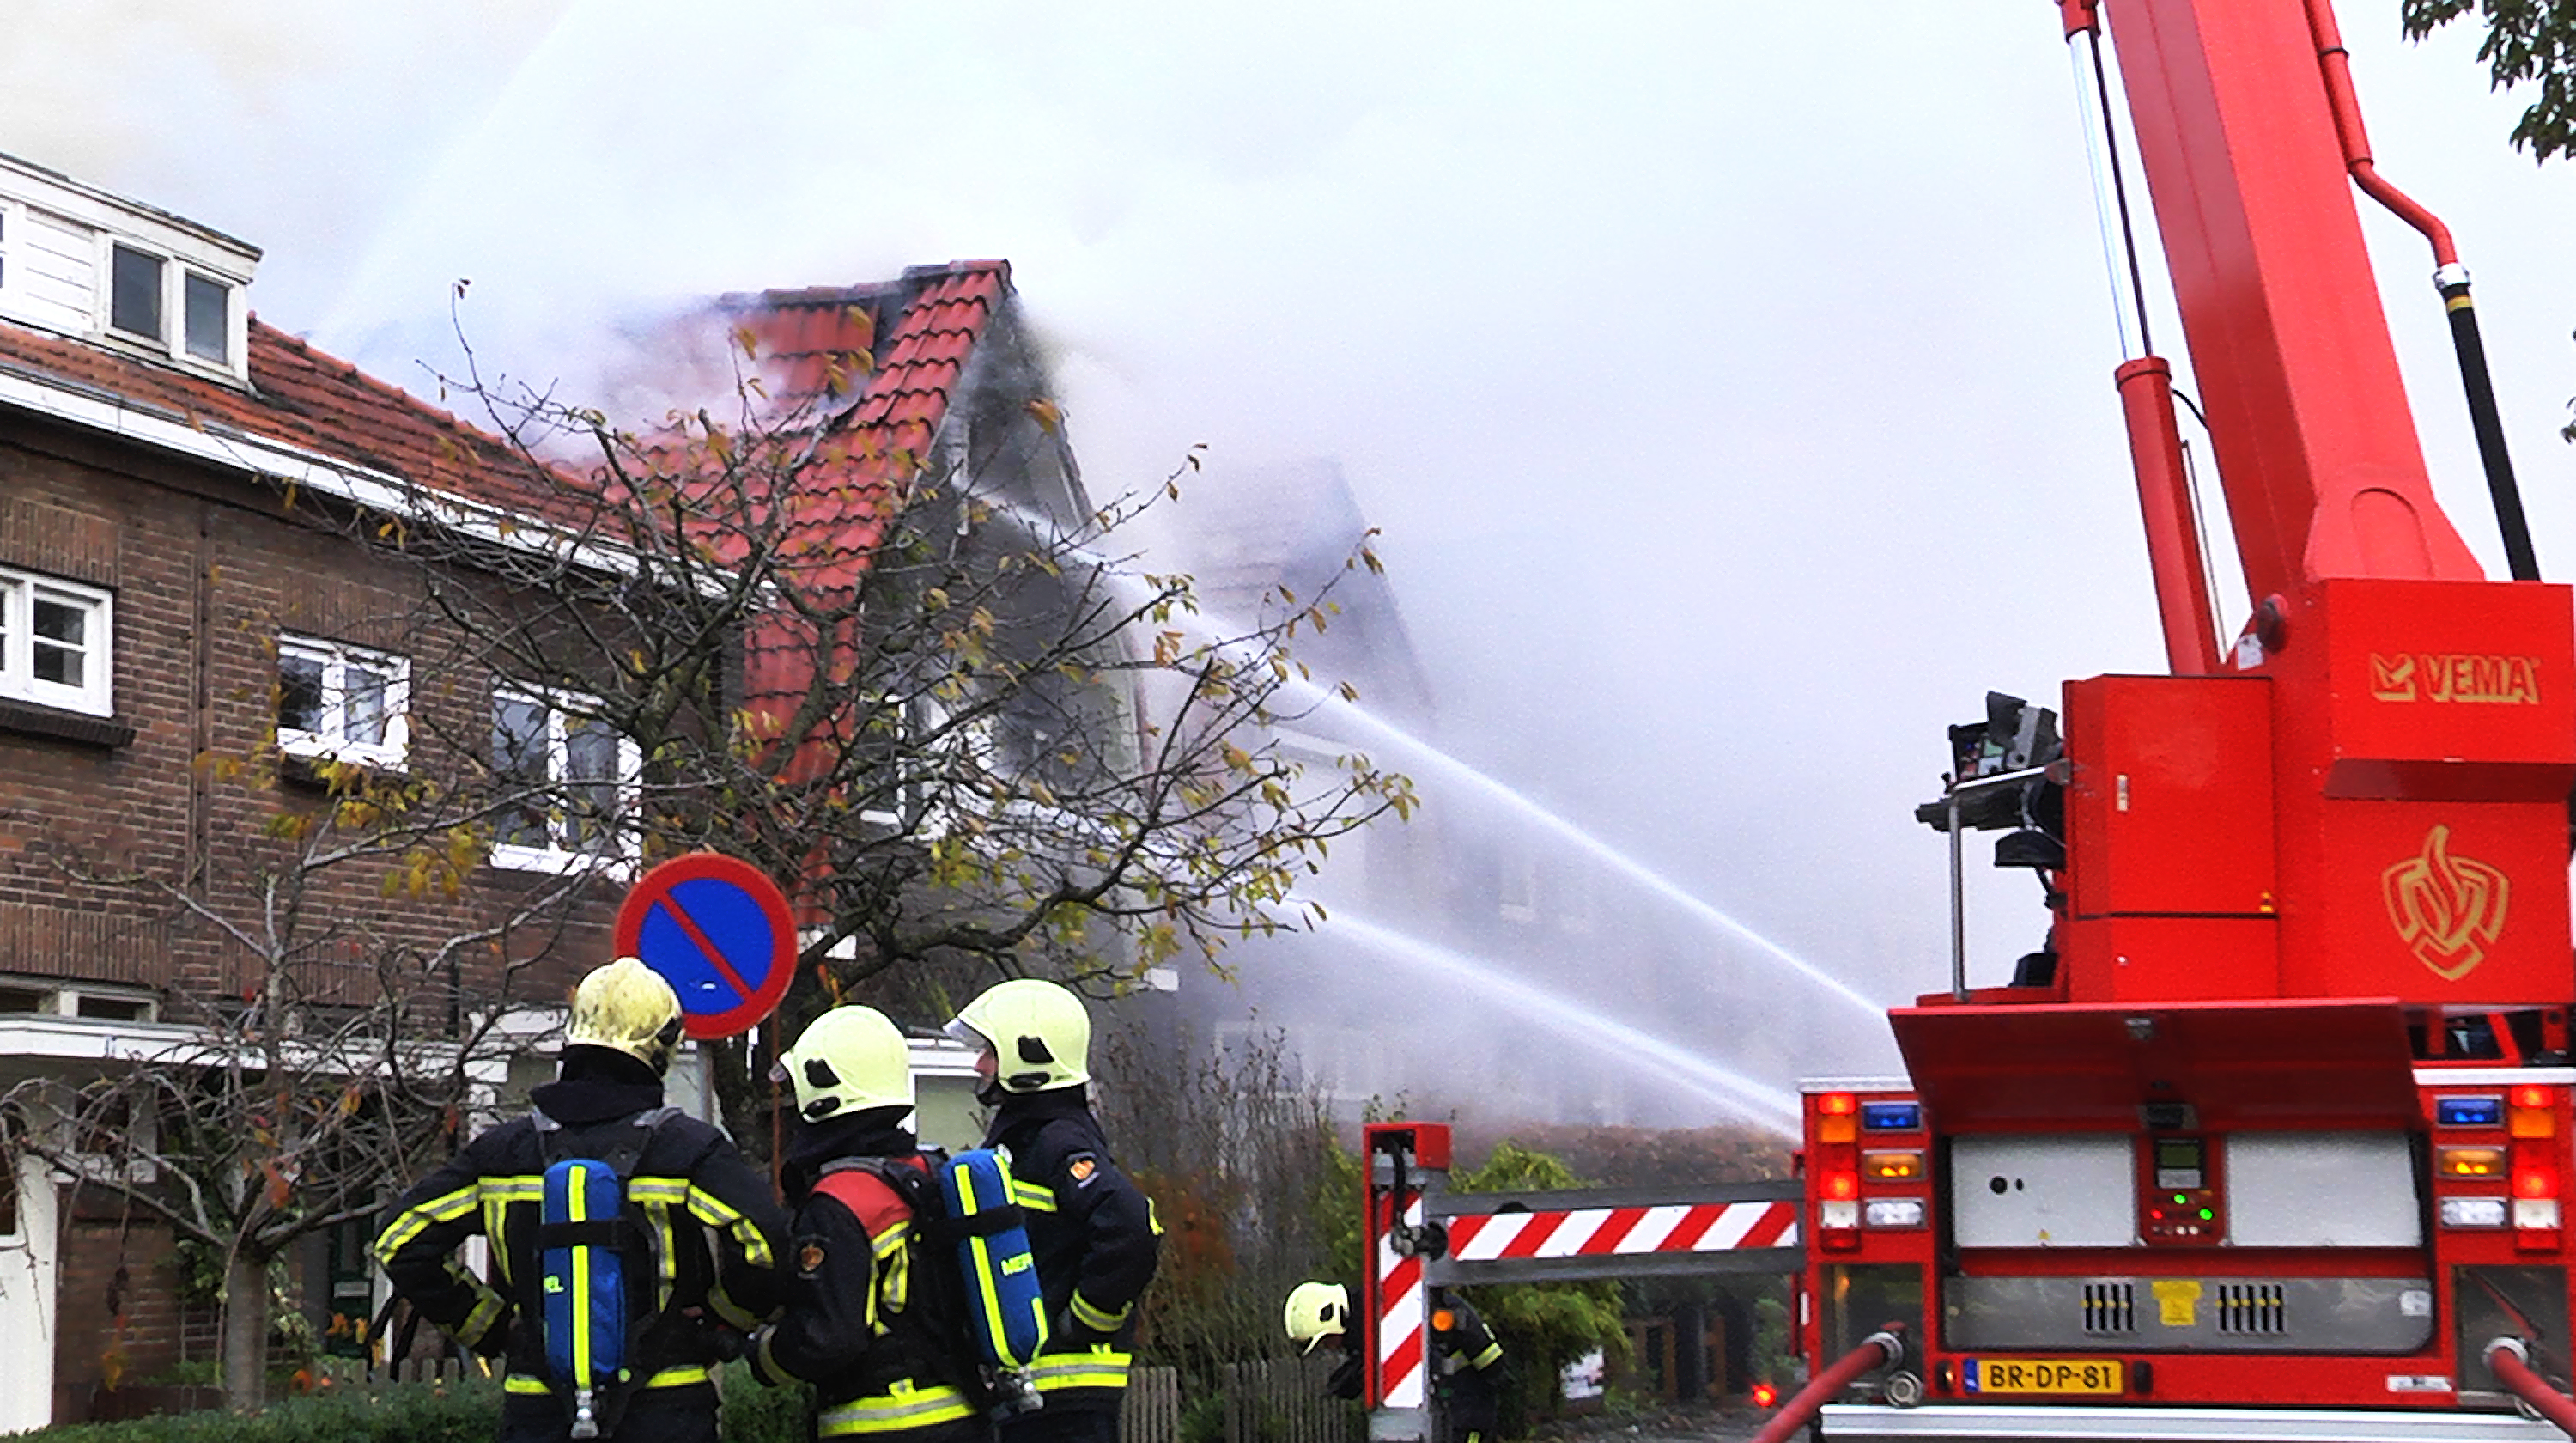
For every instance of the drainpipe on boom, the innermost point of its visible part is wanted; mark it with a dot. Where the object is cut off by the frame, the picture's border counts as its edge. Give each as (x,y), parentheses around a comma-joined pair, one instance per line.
(2449,277)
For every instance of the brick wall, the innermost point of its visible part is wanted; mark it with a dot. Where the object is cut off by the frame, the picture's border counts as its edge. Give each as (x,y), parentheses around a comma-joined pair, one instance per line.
(206,575)
(205,572)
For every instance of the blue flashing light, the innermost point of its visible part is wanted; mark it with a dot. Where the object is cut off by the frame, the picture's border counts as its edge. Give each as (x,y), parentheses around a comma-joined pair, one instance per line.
(1891,1116)
(2469,1111)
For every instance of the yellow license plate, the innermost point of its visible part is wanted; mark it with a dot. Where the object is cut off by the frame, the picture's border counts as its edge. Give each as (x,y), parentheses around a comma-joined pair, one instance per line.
(2043,1375)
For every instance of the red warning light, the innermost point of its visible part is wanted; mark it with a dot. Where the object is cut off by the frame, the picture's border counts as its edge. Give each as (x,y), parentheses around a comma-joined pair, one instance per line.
(2535,1182)
(1842,1186)
(1764,1395)
(1837,1104)
(2529,1095)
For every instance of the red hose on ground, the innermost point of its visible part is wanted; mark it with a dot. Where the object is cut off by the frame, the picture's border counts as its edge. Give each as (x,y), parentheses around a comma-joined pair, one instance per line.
(1876,1350)
(2511,1363)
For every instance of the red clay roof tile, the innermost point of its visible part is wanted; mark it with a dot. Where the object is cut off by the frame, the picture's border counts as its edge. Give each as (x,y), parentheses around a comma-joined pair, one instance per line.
(928,323)
(299,396)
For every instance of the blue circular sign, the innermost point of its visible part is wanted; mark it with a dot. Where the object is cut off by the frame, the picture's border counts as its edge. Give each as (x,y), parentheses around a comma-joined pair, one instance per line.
(718,930)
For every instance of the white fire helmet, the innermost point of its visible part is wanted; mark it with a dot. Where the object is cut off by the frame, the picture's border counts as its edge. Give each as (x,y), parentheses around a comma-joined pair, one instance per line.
(1039,1033)
(1317,1311)
(848,1060)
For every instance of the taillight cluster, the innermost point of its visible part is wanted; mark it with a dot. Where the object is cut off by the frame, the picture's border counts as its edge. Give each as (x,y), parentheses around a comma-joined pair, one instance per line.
(1851,1171)
(2531,1121)
(2525,1161)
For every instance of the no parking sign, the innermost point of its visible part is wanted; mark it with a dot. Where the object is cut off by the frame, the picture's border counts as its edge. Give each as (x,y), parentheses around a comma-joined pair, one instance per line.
(719,932)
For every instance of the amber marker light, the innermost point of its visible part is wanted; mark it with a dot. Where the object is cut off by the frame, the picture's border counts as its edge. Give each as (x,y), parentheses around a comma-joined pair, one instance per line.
(2469,1161)
(1892,1166)
(2531,1114)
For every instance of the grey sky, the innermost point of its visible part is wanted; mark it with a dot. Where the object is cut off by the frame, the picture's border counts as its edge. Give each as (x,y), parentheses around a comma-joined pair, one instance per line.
(1731,381)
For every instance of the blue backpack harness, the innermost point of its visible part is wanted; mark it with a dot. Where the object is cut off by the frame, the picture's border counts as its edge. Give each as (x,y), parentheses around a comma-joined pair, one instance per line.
(596,1267)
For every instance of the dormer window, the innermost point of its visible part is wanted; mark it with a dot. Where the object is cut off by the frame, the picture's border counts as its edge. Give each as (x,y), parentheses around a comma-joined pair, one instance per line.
(139,286)
(79,262)
(134,293)
(208,318)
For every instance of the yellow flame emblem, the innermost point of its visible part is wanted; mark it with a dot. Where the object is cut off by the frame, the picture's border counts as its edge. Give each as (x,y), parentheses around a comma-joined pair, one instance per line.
(2445,908)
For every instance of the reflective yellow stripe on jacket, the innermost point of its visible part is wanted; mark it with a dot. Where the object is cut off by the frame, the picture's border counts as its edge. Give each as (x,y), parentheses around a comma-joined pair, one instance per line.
(679,1377)
(894,1411)
(1098,1320)
(1102,1365)
(416,1219)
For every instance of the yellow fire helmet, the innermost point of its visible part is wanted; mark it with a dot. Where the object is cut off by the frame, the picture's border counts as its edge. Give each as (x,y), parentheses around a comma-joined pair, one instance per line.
(1317,1311)
(1040,1034)
(626,1007)
(848,1060)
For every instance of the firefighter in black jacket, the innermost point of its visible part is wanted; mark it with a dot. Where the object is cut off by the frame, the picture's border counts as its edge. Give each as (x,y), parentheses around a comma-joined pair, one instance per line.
(1320,1311)
(1093,1233)
(1466,1371)
(1466,1362)
(712,1223)
(862,1321)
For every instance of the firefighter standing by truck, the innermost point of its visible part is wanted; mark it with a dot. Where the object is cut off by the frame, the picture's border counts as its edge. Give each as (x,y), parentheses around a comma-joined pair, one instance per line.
(1466,1361)
(1092,1231)
(872,1315)
(709,1227)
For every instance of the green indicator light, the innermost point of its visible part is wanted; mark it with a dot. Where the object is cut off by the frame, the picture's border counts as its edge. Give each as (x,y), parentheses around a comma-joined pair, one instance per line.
(2206,1214)
(2178,1197)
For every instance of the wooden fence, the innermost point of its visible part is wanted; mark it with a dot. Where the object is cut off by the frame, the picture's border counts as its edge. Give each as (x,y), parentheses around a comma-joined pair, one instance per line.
(1283,1400)
(1152,1412)
(354,1372)
(1268,1400)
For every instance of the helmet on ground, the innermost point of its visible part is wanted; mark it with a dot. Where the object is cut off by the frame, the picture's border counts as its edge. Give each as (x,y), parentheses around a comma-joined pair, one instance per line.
(626,1007)
(1040,1034)
(849,1060)
(1317,1311)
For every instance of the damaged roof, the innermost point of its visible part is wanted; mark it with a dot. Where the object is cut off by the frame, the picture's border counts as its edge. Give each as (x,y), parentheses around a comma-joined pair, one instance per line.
(899,350)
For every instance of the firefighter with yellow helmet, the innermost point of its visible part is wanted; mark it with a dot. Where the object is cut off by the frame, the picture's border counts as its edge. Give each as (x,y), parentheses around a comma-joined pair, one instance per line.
(1466,1361)
(872,1316)
(1320,1311)
(1092,1232)
(708,1240)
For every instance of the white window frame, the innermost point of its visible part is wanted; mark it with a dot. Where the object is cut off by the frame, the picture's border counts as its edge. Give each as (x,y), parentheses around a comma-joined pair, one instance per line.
(172,338)
(96,695)
(555,856)
(332,740)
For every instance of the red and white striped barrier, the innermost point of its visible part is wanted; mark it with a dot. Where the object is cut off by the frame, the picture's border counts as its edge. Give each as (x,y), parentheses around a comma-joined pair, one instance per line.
(1400,1320)
(1598,1232)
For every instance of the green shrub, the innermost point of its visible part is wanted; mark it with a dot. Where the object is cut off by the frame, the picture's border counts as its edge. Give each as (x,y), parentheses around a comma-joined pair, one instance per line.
(754,1413)
(1203,1418)
(418,1413)
(411,1413)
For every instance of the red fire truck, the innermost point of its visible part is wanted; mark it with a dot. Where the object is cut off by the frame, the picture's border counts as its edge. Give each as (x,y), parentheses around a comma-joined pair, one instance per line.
(2270,1138)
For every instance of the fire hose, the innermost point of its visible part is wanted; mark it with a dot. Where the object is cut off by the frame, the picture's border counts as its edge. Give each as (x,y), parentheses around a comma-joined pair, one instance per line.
(1879,1349)
(2511,1363)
